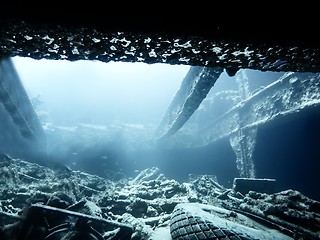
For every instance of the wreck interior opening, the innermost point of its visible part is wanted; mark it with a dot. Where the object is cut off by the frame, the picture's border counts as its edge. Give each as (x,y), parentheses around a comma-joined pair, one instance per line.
(221,141)
(193,148)
(108,142)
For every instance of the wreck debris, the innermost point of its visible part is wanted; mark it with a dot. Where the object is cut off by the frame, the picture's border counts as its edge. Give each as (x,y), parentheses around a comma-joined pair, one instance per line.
(146,204)
(245,185)
(289,209)
(201,221)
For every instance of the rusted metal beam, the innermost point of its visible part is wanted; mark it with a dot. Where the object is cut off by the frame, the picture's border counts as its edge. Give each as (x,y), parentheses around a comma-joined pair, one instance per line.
(49,40)
(20,122)
(194,88)
(290,94)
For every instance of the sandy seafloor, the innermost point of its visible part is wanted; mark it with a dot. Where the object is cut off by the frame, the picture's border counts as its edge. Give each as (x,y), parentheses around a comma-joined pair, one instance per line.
(145,203)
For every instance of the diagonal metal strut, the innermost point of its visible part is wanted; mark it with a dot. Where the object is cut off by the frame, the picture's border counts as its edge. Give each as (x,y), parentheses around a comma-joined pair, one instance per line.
(17,103)
(194,88)
(21,132)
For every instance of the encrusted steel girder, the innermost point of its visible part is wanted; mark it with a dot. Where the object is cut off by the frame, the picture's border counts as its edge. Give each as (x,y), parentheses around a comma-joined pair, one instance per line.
(50,40)
(290,94)
(19,121)
(194,88)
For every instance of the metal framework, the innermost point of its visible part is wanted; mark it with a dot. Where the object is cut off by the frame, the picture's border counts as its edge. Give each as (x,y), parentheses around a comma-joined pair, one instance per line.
(290,94)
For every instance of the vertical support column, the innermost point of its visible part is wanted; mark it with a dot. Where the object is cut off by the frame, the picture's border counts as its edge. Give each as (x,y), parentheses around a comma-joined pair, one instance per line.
(243,142)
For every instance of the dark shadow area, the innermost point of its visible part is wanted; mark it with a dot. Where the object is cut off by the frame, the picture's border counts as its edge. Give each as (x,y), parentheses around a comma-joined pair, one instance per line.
(288,150)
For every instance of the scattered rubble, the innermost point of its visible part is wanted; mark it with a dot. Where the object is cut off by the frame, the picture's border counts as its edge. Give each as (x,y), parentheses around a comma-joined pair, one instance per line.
(144,203)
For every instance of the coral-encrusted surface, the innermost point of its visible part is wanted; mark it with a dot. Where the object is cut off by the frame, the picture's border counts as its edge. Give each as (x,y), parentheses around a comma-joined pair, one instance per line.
(144,202)
(41,39)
